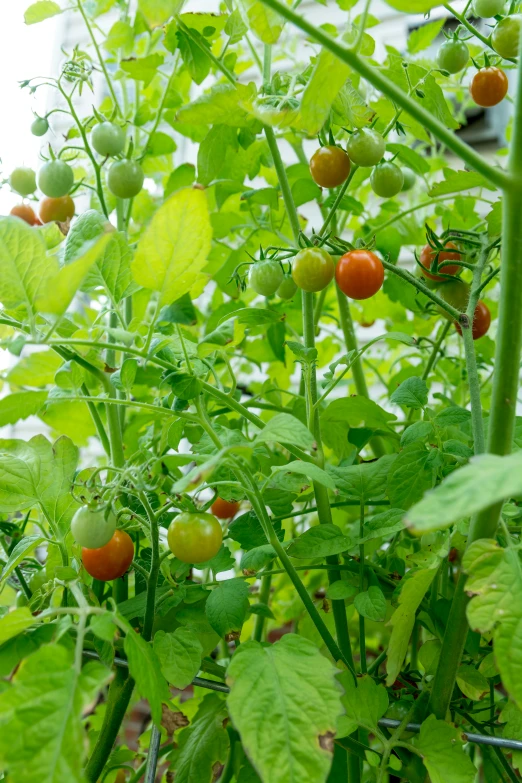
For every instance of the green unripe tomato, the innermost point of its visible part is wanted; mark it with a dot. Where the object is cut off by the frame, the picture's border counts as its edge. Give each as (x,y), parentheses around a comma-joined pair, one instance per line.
(55,178)
(107,138)
(194,538)
(366,147)
(21,599)
(287,288)
(387,180)
(453,56)
(39,126)
(312,269)
(488,8)
(505,37)
(38,579)
(23,181)
(125,178)
(455,293)
(265,277)
(409,179)
(91,529)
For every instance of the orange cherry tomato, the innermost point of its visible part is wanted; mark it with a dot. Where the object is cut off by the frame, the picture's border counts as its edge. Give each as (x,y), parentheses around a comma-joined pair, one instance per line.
(359,274)
(329,167)
(27,213)
(110,561)
(366,324)
(428,254)
(481,321)
(224,509)
(60,209)
(489,86)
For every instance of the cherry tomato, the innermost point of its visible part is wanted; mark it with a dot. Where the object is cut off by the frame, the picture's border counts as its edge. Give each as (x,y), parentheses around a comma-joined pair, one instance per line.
(107,138)
(39,126)
(366,324)
(488,8)
(91,528)
(38,580)
(125,178)
(366,147)
(23,181)
(428,254)
(287,288)
(481,321)
(409,179)
(386,180)
(224,509)
(359,274)
(505,38)
(59,209)
(265,277)
(312,269)
(453,56)
(55,178)
(456,293)
(489,86)
(329,167)
(25,212)
(21,599)
(194,538)
(110,561)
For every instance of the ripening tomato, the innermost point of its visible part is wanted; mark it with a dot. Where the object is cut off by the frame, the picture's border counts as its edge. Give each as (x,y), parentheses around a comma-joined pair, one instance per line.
(453,55)
(59,209)
(359,274)
(287,288)
(485,9)
(366,147)
(387,179)
(456,293)
(55,178)
(25,212)
(224,509)
(366,324)
(194,538)
(92,528)
(312,269)
(329,167)
(265,277)
(428,254)
(125,178)
(505,38)
(110,561)
(23,181)
(489,86)
(481,321)
(107,138)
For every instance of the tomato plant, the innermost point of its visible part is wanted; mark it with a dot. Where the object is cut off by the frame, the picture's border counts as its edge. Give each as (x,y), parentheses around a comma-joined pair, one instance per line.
(260,472)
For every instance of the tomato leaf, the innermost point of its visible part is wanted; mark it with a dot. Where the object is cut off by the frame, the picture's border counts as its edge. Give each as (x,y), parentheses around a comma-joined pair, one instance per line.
(204,743)
(179,654)
(41,10)
(442,750)
(319,541)
(227,607)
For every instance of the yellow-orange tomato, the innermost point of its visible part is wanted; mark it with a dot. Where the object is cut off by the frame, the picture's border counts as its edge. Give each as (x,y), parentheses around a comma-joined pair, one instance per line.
(25,212)
(59,209)
(489,86)
(224,509)
(359,274)
(329,167)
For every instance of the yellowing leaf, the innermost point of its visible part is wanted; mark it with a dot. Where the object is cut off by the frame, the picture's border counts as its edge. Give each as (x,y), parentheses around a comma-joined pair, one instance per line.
(266,24)
(175,246)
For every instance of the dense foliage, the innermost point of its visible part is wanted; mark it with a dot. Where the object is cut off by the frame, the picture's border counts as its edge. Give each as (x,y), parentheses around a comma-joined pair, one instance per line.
(285,533)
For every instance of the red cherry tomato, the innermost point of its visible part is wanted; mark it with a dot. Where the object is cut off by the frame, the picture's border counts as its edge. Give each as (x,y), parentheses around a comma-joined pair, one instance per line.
(224,509)
(60,209)
(25,212)
(329,167)
(489,86)
(359,274)
(481,321)
(427,256)
(110,561)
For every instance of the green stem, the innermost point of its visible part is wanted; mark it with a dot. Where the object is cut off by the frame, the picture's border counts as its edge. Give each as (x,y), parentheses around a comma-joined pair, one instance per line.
(264,598)
(362,628)
(95,416)
(436,350)
(152,756)
(423,288)
(154,569)
(100,58)
(377,78)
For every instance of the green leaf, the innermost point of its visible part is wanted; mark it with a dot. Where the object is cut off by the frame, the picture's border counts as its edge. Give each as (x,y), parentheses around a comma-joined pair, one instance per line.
(304,190)
(371,604)
(471,682)
(18,554)
(257,558)
(420,430)
(409,156)
(488,479)
(253,316)
(142,69)
(412,6)
(266,24)
(212,152)
(112,269)
(283,699)
(327,78)
(285,428)
(179,654)
(20,405)
(308,469)
(412,393)
(222,104)
(204,743)
(319,541)
(383,525)
(36,369)
(413,591)
(365,481)
(247,531)
(41,10)
(340,590)
(227,607)
(495,581)
(144,666)
(174,248)
(24,262)
(410,476)
(193,55)
(442,750)
(351,108)
(357,411)
(15,622)
(157,12)
(50,693)
(456,181)
(365,702)
(420,38)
